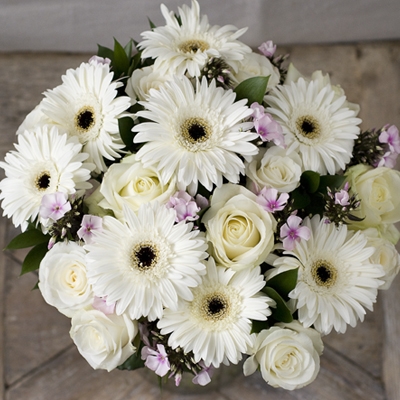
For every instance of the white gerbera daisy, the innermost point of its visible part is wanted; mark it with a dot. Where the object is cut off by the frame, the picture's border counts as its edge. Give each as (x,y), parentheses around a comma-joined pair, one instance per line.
(216,324)
(147,262)
(45,162)
(336,279)
(86,106)
(317,123)
(195,134)
(186,45)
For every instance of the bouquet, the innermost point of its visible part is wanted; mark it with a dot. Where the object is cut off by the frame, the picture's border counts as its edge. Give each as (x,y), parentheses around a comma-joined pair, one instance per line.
(191,202)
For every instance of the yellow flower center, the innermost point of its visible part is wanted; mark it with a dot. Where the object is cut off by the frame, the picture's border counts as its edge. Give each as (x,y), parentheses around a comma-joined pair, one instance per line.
(193,46)
(194,132)
(308,127)
(215,306)
(324,273)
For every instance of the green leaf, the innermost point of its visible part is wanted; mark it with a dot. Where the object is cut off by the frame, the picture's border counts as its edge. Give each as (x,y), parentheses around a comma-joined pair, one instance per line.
(33,258)
(125,129)
(332,181)
(152,26)
(28,239)
(258,326)
(310,180)
(301,199)
(252,89)
(120,61)
(133,362)
(284,283)
(135,62)
(281,312)
(105,52)
(128,48)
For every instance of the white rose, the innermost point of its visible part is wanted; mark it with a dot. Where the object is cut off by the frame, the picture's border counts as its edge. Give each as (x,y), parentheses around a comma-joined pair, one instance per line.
(378,190)
(274,168)
(129,183)
(62,278)
(253,65)
(105,341)
(240,231)
(385,255)
(288,355)
(144,79)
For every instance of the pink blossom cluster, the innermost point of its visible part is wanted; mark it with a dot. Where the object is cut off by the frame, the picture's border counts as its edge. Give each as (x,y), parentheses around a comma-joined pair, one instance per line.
(186,206)
(390,136)
(268,129)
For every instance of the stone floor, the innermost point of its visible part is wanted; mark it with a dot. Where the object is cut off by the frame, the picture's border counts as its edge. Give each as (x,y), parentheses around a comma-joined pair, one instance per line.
(37,358)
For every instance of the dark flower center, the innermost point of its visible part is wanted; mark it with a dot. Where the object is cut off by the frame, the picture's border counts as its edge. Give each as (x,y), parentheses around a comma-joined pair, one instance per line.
(215,306)
(144,256)
(308,127)
(197,132)
(324,274)
(85,118)
(194,131)
(43,180)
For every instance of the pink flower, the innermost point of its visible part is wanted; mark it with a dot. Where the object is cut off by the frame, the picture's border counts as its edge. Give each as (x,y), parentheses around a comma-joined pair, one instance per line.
(388,160)
(390,135)
(100,304)
(99,60)
(204,376)
(157,361)
(342,198)
(292,232)
(268,199)
(184,205)
(54,206)
(268,129)
(267,48)
(89,224)
(258,111)
(178,378)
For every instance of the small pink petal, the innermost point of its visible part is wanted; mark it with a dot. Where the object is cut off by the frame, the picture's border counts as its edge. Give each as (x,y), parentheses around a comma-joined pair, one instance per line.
(100,304)
(267,48)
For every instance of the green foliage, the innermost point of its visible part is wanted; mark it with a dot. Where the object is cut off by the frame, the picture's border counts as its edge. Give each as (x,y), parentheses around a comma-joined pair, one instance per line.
(152,25)
(284,283)
(123,61)
(310,181)
(105,52)
(309,196)
(28,238)
(331,181)
(120,61)
(258,326)
(133,362)
(125,126)
(252,89)
(281,312)
(33,258)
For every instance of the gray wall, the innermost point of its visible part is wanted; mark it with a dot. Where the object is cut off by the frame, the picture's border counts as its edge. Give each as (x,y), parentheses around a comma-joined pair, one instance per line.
(78,25)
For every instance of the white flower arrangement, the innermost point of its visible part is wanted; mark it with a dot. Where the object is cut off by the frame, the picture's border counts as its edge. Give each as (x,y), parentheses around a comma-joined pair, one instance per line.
(191,202)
